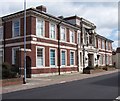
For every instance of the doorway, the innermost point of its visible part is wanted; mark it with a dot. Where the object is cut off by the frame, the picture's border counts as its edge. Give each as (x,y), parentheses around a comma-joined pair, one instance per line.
(28,67)
(90,60)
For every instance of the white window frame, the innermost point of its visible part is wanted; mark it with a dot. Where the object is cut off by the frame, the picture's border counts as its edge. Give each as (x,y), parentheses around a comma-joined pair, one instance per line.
(13,57)
(99,43)
(50,30)
(43,57)
(106,45)
(37,34)
(79,38)
(2,55)
(73,32)
(70,58)
(13,34)
(62,27)
(103,44)
(65,58)
(55,58)
(1,32)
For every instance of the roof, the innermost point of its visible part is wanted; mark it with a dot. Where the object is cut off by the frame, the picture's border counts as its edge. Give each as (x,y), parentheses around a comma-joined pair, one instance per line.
(40,12)
(85,21)
(100,36)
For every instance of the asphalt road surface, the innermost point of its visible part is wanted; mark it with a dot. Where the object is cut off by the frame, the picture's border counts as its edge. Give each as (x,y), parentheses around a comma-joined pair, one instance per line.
(100,87)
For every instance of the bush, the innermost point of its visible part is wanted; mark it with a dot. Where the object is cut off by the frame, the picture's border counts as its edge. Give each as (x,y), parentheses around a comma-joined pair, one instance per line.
(7,71)
(105,68)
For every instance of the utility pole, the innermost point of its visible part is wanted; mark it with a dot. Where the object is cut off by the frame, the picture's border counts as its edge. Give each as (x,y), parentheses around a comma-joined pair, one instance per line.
(24,79)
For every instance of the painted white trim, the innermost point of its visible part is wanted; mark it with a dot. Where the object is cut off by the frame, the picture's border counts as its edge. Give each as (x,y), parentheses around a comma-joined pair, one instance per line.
(13,62)
(65,57)
(55,57)
(52,67)
(17,44)
(13,21)
(101,52)
(52,45)
(22,49)
(13,38)
(43,56)
(39,43)
(74,57)
(41,19)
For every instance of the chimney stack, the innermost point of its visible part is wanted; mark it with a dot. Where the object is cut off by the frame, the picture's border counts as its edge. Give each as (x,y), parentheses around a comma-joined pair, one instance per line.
(41,8)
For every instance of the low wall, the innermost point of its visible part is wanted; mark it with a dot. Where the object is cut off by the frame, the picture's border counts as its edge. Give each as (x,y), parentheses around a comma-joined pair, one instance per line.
(13,81)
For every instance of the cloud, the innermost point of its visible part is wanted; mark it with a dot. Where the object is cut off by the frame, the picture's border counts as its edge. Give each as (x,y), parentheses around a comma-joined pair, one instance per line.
(103,14)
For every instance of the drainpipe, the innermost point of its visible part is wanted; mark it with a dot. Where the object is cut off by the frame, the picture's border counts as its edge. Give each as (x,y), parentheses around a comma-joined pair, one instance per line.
(78,56)
(3,43)
(59,57)
(105,55)
(81,23)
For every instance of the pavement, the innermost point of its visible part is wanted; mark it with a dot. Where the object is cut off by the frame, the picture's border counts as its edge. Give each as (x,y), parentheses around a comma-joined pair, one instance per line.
(50,80)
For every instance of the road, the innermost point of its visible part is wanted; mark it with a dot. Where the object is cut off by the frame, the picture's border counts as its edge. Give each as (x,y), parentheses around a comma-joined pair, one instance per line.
(100,87)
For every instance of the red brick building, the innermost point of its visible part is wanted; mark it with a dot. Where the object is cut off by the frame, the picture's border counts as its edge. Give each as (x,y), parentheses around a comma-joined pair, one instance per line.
(53,44)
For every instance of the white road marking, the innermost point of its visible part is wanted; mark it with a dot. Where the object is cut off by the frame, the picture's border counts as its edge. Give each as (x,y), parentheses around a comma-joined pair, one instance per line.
(62,81)
(118,98)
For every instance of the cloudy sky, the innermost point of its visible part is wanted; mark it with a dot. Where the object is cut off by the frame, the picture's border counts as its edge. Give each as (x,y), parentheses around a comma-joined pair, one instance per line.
(103,13)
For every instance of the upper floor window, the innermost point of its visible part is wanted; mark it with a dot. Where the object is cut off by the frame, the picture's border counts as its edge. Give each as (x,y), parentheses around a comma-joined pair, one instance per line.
(103,44)
(95,42)
(90,39)
(63,37)
(52,31)
(71,36)
(40,27)
(106,45)
(99,43)
(1,32)
(79,38)
(110,46)
(16,28)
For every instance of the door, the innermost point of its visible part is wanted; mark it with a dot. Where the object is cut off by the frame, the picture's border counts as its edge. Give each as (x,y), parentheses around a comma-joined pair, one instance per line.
(90,60)
(28,67)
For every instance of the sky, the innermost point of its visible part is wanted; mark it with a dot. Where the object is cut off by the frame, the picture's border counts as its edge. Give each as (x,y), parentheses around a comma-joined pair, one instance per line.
(103,13)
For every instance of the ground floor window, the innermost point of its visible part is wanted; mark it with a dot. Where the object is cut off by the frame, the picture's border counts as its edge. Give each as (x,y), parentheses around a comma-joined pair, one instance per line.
(52,57)
(1,55)
(101,59)
(63,57)
(103,62)
(71,58)
(107,59)
(110,59)
(40,56)
(14,54)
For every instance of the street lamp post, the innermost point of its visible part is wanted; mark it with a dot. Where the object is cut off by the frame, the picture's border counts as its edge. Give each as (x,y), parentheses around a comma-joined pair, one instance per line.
(24,79)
